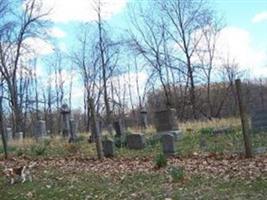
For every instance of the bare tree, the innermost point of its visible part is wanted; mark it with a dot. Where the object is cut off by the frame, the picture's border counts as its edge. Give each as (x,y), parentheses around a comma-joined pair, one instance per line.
(149,40)
(185,20)
(12,50)
(207,55)
(3,136)
(107,52)
(85,59)
(3,12)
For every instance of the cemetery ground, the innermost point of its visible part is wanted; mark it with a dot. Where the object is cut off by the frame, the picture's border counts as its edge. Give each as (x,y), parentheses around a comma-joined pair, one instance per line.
(207,165)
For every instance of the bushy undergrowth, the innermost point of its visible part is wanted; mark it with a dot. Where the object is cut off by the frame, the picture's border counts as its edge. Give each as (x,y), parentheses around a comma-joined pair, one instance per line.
(161,161)
(176,173)
(152,141)
(38,149)
(206,131)
(72,148)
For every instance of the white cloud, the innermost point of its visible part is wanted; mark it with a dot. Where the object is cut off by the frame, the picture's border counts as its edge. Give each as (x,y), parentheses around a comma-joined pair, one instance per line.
(56,32)
(80,10)
(260,17)
(39,46)
(121,84)
(237,44)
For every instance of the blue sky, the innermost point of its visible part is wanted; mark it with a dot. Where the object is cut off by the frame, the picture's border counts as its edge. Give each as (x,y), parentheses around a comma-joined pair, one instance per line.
(240,13)
(243,37)
(245,20)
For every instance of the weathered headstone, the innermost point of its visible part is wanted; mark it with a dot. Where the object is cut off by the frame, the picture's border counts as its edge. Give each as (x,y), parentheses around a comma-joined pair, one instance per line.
(222,131)
(40,129)
(166,122)
(259,119)
(120,135)
(65,111)
(260,150)
(143,116)
(19,136)
(73,127)
(9,134)
(118,128)
(108,148)
(135,141)
(168,144)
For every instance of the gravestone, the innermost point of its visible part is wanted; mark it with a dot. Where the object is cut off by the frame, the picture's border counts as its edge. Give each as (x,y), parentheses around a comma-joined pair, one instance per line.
(9,134)
(120,135)
(143,116)
(117,125)
(166,122)
(65,112)
(260,150)
(135,141)
(108,148)
(19,136)
(168,144)
(259,119)
(222,131)
(73,128)
(40,129)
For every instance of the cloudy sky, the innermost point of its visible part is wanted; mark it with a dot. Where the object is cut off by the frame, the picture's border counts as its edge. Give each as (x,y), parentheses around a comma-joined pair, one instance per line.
(243,38)
(245,33)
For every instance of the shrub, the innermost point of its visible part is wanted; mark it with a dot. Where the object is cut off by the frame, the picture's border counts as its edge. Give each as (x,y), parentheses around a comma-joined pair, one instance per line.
(80,138)
(152,141)
(160,160)
(9,149)
(39,149)
(72,148)
(47,142)
(120,142)
(177,173)
(206,131)
(20,152)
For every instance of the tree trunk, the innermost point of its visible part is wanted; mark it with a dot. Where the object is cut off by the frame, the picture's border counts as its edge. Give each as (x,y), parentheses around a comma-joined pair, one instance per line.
(95,126)
(2,127)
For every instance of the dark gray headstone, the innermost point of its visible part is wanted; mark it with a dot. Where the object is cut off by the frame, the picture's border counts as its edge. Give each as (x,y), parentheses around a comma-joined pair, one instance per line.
(108,148)
(65,112)
(260,150)
(135,141)
(166,120)
(168,144)
(143,116)
(40,129)
(259,120)
(177,134)
(222,131)
(73,127)
(117,125)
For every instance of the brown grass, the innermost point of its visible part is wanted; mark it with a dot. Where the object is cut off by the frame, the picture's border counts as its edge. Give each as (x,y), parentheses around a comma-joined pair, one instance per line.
(215,123)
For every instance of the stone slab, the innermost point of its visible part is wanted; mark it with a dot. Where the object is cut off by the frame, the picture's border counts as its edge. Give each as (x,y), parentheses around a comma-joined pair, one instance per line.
(135,141)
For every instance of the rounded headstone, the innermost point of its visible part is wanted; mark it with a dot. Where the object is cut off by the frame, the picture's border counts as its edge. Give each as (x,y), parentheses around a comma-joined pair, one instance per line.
(168,144)
(108,148)
(135,141)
